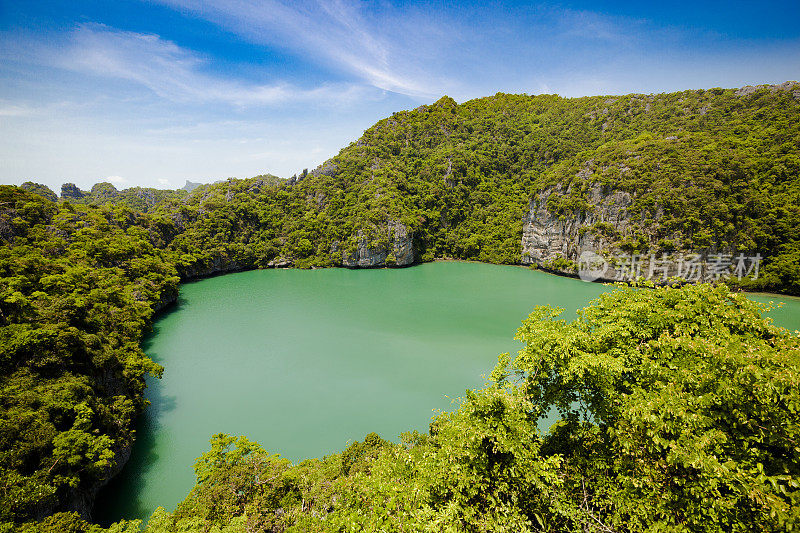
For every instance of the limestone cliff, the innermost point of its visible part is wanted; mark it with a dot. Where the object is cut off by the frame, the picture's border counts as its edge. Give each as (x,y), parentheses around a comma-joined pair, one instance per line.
(398,251)
(569,242)
(388,246)
(546,236)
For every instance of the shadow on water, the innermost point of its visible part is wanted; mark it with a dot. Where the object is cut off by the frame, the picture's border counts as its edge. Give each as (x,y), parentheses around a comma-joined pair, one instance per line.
(120,499)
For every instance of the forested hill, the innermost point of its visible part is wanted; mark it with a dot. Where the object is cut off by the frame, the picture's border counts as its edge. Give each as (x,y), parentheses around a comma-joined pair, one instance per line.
(515,178)
(504,179)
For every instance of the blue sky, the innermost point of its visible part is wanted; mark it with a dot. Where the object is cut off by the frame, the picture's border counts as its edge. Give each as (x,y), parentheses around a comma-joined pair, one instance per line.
(155,92)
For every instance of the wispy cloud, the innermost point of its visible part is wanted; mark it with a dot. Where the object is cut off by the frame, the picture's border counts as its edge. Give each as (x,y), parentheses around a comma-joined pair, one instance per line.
(425,50)
(87,104)
(168,70)
(286,84)
(390,50)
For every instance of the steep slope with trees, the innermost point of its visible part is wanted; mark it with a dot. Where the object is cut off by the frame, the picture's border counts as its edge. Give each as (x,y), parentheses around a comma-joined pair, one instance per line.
(700,171)
(78,289)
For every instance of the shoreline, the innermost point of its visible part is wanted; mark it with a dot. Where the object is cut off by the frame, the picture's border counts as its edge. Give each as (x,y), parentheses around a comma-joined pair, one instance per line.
(545,270)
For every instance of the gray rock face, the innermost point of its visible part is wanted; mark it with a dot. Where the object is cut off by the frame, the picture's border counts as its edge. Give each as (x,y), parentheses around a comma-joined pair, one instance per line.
(403,247)
(280,263)
(790,86)
(365,256)
(546,236)
(400,251)
(328,168)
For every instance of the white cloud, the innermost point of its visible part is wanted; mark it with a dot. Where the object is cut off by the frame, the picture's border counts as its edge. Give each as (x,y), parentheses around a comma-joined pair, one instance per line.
(426,50)
(390,50)
(168,70)
(118,180)
(163,181)
(147,144)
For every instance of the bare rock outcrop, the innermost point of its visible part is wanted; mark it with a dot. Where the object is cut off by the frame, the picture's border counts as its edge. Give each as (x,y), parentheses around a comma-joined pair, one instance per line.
(190,186)
(218,264)
(402,245)
(547,236)
(399,251)
(586,242)
(789,86)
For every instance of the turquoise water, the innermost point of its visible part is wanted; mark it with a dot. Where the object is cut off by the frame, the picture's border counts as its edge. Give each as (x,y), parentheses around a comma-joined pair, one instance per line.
(787,309)
(305,361)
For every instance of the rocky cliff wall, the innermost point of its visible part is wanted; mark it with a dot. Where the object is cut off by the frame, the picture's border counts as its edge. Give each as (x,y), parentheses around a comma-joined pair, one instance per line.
(546,236)
(398,252)
(370,252)
(584,243)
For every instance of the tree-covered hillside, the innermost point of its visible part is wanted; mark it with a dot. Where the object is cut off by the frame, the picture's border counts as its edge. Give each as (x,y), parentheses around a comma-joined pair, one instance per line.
(705,171)
(77,289)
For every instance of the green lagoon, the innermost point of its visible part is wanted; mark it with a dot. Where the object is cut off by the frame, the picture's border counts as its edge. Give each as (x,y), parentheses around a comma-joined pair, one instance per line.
(306,361)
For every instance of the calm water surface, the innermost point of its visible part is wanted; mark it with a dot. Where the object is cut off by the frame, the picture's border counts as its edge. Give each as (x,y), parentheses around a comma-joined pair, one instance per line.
(305,361)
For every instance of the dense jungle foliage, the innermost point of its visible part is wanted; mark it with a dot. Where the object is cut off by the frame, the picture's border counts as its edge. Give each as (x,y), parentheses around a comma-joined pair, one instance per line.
(712,170)
(78,286)
(82,276)
(706,170)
